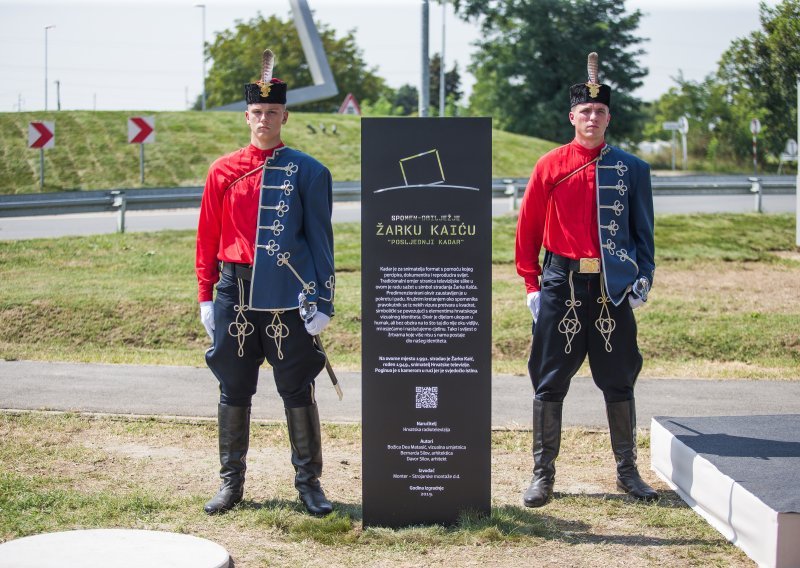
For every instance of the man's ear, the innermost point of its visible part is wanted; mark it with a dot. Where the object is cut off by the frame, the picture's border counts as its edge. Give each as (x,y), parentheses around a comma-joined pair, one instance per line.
(285,117)
(572,118)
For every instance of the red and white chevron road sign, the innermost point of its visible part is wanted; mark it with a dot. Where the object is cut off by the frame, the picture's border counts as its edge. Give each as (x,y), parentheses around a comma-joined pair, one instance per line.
(141,130)
(41,135)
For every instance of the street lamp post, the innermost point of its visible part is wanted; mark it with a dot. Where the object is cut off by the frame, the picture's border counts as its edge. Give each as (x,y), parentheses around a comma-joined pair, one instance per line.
(797,182)
(424,90)
(441,66)
(46,28)
(203,101)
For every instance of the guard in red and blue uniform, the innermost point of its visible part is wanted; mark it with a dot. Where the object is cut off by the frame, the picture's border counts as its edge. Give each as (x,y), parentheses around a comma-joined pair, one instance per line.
(265,242)
(590,207)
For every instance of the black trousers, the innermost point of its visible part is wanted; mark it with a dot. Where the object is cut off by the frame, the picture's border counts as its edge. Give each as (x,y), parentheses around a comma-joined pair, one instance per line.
(243,339)
(574,321)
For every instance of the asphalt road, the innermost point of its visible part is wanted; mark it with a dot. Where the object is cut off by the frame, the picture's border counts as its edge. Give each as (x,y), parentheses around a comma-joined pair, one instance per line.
(15,228)
(193,392)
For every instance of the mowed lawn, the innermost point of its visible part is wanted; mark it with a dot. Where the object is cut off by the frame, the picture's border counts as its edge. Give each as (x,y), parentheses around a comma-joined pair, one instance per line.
(724,303)
(63,471)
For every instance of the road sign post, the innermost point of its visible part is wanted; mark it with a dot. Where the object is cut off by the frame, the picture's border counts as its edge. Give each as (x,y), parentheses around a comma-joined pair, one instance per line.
(789,154)
(683,128)
(672,145)
(141,130)
(755,128)
(674,126)
(120,202)
(797,179)
(41,135)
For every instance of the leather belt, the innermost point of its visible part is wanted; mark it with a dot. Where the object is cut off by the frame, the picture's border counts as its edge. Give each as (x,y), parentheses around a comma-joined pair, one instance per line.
(237,270)
(581,266)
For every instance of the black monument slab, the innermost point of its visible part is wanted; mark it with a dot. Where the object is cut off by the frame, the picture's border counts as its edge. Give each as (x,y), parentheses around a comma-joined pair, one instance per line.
(426,319)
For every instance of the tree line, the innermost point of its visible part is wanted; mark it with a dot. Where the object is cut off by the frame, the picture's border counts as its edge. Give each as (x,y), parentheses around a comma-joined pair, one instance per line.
(756,77)
(236,58)
(530,51)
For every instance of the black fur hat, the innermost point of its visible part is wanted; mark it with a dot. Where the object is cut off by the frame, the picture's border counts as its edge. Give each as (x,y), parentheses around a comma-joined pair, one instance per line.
(267,89)
(591,91)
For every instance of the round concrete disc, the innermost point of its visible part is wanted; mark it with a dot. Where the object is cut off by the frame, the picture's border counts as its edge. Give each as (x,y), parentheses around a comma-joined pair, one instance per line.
(121,548)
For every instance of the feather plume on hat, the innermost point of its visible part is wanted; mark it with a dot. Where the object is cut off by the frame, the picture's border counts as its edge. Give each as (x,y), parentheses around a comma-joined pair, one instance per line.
(267,64)
(592,67)
(267,89)
(592,91)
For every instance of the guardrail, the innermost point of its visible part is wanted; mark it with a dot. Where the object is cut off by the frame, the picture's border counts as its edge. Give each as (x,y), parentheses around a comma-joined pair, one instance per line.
(121,200)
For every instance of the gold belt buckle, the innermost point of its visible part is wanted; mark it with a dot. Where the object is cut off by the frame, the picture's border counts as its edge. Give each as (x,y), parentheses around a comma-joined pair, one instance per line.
(589,266)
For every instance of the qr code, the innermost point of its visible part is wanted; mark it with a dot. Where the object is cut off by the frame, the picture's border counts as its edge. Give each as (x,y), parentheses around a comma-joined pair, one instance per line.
(427,397)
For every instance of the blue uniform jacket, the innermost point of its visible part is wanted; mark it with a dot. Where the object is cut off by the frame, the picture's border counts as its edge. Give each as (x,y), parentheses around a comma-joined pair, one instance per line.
(625,220)
(294,240)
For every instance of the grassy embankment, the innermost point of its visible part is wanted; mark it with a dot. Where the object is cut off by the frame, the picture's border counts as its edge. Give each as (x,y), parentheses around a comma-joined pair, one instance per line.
(92,152)
(724,302)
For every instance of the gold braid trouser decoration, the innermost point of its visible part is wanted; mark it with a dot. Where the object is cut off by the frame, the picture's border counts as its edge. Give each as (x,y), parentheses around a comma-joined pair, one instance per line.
(604,324)
(240,328)
(278,331)
(570,325)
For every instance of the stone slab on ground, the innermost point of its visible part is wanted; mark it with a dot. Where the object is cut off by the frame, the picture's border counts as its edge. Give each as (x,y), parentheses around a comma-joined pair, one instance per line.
(121,548)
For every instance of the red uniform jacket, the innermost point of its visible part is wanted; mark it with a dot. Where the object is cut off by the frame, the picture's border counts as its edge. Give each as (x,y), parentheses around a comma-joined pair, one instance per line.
(563,219)
(226,229)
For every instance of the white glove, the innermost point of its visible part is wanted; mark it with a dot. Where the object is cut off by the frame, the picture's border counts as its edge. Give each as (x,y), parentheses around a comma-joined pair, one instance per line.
(635,301)
(533,304)
(207,317)
(639,292)
(319,322)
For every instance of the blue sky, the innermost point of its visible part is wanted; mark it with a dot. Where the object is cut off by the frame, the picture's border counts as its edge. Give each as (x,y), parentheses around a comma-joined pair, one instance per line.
(116,54)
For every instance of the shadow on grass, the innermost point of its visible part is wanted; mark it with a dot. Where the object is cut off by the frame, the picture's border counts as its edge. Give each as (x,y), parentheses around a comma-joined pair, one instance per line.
(249,505)
(505,524)
(667,499)
(668,512)
(345,509)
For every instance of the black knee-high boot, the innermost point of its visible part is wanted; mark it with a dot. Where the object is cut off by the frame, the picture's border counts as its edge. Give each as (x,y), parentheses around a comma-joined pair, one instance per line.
(234,440)
(546,443)
(306,440)
(622,423)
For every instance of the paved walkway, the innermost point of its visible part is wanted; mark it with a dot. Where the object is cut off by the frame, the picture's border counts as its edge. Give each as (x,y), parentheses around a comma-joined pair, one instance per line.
(192,392)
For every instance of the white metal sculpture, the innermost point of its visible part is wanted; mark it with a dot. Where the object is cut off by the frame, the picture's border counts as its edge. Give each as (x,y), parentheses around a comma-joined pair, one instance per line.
(324,84)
